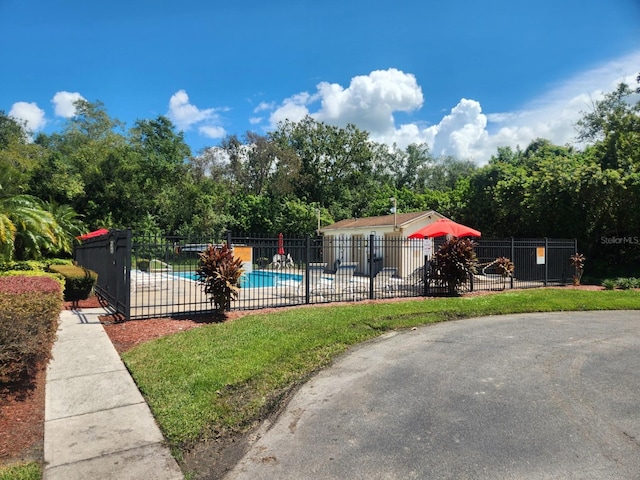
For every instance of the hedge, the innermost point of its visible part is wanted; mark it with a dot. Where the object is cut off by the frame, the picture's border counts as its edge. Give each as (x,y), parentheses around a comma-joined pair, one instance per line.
(29,312)
(78,281)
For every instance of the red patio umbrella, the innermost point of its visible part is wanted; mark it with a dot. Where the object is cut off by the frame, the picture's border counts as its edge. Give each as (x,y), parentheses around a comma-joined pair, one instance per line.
(95,233)
(280,244)
(444,226)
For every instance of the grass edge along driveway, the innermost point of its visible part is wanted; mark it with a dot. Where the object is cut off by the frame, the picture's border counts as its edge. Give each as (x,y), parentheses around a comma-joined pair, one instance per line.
(223,377)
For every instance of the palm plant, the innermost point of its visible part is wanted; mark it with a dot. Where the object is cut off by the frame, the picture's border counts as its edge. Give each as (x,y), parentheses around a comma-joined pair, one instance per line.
(456,261)
(219,273)
(577,260)
(67,226)
(24,226)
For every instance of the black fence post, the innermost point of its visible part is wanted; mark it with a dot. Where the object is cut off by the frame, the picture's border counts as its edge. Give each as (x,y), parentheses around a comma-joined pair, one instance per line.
(426,277)
(546,261)
(371,264)
(307,285)
(513,256)
(127,273)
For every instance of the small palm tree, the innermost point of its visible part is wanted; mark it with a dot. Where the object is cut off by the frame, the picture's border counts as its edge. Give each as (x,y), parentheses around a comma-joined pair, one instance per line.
(67,226)
(26,227)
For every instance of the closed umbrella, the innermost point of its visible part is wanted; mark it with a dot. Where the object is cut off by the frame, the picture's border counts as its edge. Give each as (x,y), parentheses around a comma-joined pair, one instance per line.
(443,227)
(95,233)
(280,244)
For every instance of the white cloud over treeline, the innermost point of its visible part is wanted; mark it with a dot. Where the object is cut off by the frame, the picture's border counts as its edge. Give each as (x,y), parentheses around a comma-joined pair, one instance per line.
(186,115)
(466,132)
(373,101)
(30,114)
(34,117)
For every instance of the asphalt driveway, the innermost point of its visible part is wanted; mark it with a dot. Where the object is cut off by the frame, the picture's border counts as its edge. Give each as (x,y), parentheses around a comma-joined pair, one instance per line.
(535,396)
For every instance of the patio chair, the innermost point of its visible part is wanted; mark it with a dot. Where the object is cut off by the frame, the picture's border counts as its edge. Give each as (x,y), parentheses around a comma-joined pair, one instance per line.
(317,282)
(412,282)
(383,283)
(343,282)
(336,284)
(148,281)
(293,287)
(488,279)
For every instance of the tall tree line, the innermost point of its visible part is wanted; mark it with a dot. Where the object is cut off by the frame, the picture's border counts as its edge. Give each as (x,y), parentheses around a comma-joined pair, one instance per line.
(96,173)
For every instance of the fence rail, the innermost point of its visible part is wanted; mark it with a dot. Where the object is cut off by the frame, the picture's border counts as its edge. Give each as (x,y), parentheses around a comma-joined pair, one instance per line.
(146,277)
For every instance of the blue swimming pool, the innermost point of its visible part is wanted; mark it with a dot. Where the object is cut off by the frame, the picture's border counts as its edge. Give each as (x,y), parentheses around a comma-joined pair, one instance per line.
(255,279)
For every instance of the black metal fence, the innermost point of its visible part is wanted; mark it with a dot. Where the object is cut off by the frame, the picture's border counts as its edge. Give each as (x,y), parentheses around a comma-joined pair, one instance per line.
(537,261)
(110,257)
(145,277)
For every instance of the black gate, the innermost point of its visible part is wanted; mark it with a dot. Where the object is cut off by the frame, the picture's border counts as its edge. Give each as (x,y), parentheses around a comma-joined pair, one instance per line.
(110,257)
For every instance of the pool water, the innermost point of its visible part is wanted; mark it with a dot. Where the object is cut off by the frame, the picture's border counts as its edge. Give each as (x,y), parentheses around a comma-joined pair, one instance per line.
(255,279)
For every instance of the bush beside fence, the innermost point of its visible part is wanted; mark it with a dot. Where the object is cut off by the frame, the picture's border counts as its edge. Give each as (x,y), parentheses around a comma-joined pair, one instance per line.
(29,311)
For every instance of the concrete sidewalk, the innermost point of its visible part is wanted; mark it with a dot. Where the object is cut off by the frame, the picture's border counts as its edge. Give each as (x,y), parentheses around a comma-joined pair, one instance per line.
(97,425)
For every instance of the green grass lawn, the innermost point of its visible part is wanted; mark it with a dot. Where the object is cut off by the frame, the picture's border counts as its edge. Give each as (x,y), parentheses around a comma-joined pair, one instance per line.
(27,471)
(222,377)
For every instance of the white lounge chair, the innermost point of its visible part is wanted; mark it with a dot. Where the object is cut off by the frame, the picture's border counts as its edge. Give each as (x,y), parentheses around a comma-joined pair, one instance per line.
(413,281)
(337,284)
(383,283)
(148,281)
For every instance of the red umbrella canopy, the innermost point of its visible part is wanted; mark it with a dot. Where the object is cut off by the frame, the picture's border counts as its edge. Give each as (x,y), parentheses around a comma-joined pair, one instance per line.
(444,226)
(280,244)
(95,233)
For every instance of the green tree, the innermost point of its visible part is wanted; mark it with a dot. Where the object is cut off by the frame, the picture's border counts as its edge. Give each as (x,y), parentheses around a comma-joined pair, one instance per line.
(159,171)
(18,157)
(72,170)
(336,164)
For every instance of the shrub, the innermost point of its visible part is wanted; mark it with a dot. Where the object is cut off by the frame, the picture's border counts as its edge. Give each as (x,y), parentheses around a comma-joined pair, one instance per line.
(22,266)
(29,311)
(504,266)
(609,284)
(219,272)
(456,261)
(577,260)
(625,283)
(79,281)
(143,264)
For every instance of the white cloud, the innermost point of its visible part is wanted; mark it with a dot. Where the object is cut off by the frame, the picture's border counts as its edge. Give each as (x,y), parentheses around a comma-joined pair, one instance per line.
(293,109)
(63,103)
(30,113)
(185,115)
(262,106)
(370,101)
(211,131)
(458,132)
(553,115)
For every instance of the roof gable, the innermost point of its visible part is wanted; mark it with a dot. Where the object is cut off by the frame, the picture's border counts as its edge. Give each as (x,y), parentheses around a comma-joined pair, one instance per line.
(401,220)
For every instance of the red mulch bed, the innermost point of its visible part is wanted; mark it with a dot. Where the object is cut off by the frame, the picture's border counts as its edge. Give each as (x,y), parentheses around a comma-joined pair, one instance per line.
(22,413)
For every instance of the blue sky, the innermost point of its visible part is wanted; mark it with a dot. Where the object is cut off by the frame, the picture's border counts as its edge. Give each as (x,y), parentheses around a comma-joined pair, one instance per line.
(464,76)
